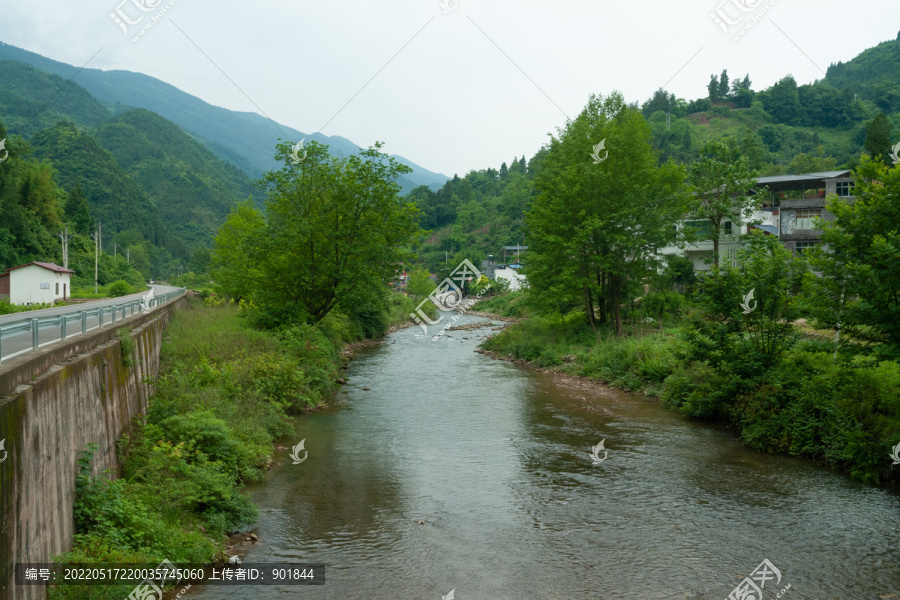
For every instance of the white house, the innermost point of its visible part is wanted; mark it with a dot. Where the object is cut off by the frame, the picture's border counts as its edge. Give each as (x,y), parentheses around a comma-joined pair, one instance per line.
(511,274)
(36,283)
(790,205)
(701,253)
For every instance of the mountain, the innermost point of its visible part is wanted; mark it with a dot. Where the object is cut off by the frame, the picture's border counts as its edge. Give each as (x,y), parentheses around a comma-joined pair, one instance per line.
(244,139)
(874,74)
(193,190)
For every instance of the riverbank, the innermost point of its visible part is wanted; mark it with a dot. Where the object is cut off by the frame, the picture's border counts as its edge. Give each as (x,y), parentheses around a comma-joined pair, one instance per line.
(843,413)
(225,393)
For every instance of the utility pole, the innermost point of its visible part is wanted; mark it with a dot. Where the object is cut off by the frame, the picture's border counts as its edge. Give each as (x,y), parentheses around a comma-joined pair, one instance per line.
(115,250)
(128,255)
(96,236)
(65,237)
(100,228)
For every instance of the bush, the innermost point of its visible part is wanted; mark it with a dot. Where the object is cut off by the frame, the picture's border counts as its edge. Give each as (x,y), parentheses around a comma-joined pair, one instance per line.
(119,288)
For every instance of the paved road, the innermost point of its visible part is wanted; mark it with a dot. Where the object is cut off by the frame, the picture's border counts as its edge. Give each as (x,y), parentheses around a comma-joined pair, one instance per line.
(18,342)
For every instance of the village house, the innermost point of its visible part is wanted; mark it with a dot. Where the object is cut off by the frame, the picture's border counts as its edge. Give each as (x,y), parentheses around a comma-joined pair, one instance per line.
(790,205)
(36,283)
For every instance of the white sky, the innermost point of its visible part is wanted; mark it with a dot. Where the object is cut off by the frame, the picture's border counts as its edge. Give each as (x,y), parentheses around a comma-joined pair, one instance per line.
(450,101)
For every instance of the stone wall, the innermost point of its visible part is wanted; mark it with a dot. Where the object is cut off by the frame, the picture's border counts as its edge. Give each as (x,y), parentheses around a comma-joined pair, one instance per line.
(52,404)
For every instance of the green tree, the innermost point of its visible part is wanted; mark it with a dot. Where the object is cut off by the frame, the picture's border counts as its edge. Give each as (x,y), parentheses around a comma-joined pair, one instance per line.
(335,230)
(235,263)
(723,85)
(860,284)
(78,212)
(713,88)
(878,137)
(745,322)
(784,101)
(594,227)
(721,180)
(419,283)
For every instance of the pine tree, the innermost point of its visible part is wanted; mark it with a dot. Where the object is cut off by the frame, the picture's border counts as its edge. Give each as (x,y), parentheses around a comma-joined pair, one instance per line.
(713,88)
(723,85)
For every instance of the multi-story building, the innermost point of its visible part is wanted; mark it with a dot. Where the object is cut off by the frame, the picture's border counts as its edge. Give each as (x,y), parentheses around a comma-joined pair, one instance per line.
(790,205)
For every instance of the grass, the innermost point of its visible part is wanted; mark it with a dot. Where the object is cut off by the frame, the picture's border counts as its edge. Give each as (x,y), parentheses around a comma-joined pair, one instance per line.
(225,392)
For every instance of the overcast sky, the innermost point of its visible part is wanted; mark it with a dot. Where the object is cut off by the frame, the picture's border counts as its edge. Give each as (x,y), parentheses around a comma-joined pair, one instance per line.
(452,91)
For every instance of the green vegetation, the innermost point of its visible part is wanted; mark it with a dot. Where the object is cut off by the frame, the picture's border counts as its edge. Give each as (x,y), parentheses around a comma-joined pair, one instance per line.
(594,227)
(331,237)
(225,392)
(7,309)
(158,192)
(787,128)
(126,343)
(781,389)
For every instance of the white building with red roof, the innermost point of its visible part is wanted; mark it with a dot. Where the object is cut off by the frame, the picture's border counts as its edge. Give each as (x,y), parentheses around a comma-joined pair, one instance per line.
(36,283)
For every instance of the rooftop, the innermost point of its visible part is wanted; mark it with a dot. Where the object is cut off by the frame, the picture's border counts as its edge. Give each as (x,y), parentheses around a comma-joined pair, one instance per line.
(44,265)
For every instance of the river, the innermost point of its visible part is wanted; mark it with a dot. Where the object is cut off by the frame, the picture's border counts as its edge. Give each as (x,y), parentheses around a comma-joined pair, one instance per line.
(495,460)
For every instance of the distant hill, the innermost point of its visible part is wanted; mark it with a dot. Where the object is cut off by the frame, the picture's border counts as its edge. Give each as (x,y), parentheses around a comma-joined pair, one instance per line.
(244,139)
(193,190)
(874,74)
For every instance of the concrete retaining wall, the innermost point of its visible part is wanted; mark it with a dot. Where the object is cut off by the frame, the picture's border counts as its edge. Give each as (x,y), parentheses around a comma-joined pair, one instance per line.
(52,404)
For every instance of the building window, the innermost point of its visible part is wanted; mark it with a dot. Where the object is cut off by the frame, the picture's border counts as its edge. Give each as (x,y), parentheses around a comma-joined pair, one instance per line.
(844,188)
(805,218)
(700,229)
(803,247)
(726,226)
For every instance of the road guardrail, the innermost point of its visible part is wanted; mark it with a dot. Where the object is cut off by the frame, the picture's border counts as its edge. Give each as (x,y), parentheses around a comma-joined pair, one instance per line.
(63,324)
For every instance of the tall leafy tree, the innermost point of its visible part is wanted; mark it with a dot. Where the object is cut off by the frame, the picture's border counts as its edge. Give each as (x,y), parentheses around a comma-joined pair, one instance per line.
(599,217)
(236,260)
(721,179)
(335,230)
(724,89)
(860,264)
(713,88)
(878,137)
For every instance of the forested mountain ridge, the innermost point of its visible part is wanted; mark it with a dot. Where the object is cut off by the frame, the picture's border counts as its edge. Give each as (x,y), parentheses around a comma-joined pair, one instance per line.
(193,190)
(159,193)
(244,139)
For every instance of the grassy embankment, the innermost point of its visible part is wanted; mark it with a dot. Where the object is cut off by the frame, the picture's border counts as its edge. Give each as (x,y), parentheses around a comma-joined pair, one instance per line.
(842,411)
(225,392)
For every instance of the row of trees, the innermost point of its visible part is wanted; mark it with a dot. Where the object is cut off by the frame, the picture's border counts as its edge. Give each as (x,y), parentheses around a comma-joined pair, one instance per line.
(596,228)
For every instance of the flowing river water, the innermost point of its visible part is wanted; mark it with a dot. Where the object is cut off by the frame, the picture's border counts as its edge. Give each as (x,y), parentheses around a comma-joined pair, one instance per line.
(495,460)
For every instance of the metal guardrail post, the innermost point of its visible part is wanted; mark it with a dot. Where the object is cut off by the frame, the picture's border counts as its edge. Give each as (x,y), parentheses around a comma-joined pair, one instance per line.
(83,321)
(62,326)
(114,314)
(35,327)
(100,315)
